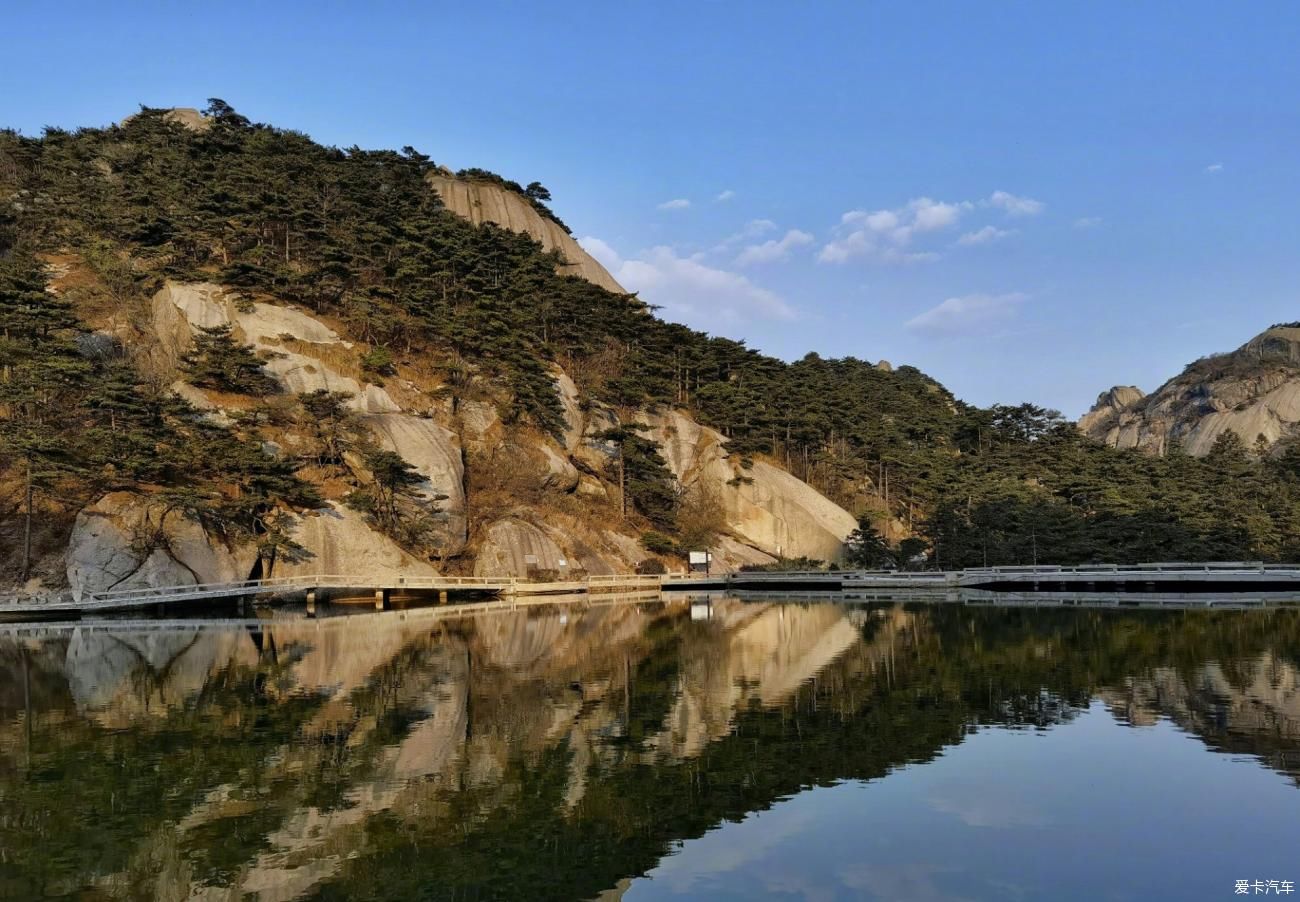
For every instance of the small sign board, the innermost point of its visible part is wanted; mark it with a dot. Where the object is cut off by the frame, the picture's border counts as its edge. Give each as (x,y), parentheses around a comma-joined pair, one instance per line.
(700,557)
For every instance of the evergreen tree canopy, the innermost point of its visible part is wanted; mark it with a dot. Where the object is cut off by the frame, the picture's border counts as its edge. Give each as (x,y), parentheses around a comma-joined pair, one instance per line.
(358,235)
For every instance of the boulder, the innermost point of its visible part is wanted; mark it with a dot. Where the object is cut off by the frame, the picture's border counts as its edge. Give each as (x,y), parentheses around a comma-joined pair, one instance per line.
(340,541)
(184,116)
(730,555)
(480,425)
(784,516)
(560,474)
(128,541)
(591,487)
(513,547)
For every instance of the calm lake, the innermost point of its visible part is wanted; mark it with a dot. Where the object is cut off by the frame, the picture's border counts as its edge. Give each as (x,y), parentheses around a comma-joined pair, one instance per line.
(659,750)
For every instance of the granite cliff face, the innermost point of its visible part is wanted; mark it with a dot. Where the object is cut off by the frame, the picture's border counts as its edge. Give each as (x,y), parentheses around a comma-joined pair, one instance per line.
(482,201)
(126,540)
(1253,391)
(765,506)
(551,505)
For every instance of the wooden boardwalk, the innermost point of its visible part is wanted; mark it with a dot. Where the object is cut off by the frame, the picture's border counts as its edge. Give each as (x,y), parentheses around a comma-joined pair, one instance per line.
(1181,579)
(309,586)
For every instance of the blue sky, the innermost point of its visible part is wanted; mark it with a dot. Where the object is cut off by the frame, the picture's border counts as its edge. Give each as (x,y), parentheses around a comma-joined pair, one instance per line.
(1028,201)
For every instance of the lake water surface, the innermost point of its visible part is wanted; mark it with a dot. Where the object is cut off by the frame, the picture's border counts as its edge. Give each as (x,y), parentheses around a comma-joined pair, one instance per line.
(659,750)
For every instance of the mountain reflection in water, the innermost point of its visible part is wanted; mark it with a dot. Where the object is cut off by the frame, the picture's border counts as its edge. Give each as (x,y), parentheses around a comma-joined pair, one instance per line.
(561,752)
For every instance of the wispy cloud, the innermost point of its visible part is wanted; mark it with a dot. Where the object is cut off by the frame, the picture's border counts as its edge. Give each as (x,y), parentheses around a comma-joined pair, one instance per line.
(1015,205)
(724,196)
(882,235)
(968,314)
(751,231)
(774,249)
(1087,222)
(986,235)
(689,290)
(1214,168)
(678,203)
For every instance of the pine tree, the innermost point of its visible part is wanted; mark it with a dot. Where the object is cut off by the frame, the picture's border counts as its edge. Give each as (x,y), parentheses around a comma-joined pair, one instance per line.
(218,361)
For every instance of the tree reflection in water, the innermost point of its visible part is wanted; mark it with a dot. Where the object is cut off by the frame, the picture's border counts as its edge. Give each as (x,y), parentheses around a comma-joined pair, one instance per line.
(548,753)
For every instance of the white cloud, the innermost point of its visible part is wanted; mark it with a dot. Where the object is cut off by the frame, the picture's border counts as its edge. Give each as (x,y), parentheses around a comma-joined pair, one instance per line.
(1213,168)
(688,290)
(752,230)
(724,196)
(1016,206)
(773,250)
(1087,222)
(979,805)
(931,215)
(986,235)
(679,203)
(603,251)
(972,313)
(880,235)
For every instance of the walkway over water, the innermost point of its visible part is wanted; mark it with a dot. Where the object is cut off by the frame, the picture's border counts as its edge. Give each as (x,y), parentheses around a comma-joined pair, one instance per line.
(1183,579)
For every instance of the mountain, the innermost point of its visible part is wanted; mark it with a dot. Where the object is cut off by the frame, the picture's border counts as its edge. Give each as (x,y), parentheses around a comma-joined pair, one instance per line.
(330,419)
(228,350)
(1253,391)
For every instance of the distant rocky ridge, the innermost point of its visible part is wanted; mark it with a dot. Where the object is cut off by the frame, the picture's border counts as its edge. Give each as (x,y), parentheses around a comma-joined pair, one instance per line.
(1253,391)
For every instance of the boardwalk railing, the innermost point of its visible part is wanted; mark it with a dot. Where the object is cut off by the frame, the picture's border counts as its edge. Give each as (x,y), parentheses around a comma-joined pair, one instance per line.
(1159,567)
(1213,571)
(141,596)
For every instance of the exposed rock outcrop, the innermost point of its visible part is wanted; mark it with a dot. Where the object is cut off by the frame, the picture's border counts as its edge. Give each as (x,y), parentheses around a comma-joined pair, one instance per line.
(480,425)
(765,506)
(435,452)
(120,542)
(480,201)
(513,547)
(181,308)
(127,541)
(1253,391)
(184,116)
(560,473)
(1111,405)
(729,555)
(340,541)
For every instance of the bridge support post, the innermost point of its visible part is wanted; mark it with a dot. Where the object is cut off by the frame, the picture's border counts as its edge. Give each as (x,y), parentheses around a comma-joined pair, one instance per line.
(442,596)
(311,602)
(381,599)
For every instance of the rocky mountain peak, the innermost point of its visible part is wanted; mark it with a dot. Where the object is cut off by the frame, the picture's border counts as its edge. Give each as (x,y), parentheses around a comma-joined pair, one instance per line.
(1253,391)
